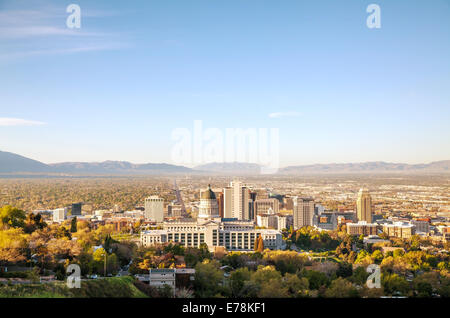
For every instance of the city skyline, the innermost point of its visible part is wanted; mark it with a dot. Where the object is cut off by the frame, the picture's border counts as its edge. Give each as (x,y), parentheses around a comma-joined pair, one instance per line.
(116,89)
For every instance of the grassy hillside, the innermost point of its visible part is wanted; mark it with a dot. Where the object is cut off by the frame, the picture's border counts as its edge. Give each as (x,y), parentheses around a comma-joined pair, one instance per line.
(110,287)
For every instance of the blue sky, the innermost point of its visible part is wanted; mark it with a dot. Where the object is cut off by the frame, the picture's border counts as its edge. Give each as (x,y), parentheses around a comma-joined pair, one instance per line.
(136,70)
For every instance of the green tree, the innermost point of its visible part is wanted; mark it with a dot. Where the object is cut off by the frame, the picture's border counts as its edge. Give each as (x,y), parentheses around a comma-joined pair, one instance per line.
(393,284)
(377,256)
(359,276)
(12,246)
(238,278)
(12,217)
(208,279)
(73,225)
(297,287)
(316,279)
(34,222)
(341,288)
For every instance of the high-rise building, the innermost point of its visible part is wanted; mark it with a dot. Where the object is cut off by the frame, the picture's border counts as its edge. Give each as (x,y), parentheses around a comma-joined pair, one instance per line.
(220,203)
(240,198)
(364,206)
(303,212)
(154,208)
(76,209)
(208,204)
(236,201)
(252,206)
(227,203)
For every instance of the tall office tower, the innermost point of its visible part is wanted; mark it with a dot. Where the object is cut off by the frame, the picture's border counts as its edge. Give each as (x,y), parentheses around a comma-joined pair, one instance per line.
(364,206)
(208,204)
(220,204)
(59,215)
(76,208)
(154,208)
(239,200)
(303,212)
(227,203)
(251,207)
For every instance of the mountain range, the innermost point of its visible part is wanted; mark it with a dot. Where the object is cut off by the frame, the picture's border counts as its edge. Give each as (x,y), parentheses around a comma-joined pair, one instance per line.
(13,163)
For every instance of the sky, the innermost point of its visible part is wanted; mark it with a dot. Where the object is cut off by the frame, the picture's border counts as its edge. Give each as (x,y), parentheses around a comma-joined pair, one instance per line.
(118,87)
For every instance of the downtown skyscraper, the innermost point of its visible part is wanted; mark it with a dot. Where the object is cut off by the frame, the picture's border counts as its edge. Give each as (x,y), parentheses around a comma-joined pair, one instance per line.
(303,212)
(364,206)
(236,201)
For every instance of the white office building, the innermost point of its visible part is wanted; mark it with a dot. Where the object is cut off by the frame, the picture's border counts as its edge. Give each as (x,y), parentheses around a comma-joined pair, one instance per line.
(236,201)
(59,215)
(154,208)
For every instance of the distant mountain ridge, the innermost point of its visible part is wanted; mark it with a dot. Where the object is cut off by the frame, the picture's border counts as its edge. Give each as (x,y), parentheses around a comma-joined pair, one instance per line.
(13,163)
(116,167)
(230,167)
(376,166)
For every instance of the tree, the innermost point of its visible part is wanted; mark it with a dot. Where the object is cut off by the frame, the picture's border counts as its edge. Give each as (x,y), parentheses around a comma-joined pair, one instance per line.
(208,279)
(73,225)
(269,281)
(359,276)
(341,288)
(285,261)
(426,283)
(11,217)
(34,222)
(398,253)
(344,270)
(377,256)
(12,246)
(273,289)
(296,286)
(259,244)
(238,278)
(394,284)
(316,279)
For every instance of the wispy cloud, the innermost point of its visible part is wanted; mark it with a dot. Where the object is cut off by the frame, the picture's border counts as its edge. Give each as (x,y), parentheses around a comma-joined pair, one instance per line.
(33,31)
(79,49)
(6,121)
(284,114)
(46,35)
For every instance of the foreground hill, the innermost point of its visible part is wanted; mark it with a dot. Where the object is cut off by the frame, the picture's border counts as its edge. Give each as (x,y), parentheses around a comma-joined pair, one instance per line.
(122,287)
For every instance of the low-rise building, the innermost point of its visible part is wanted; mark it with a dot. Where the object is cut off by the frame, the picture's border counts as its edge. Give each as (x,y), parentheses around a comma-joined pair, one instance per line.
(162,276)
(399,229)
(422,226)
(362,228)
(234,235)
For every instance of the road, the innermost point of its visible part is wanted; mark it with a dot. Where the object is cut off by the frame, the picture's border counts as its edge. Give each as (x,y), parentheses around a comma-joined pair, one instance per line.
(179,198)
